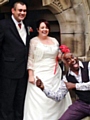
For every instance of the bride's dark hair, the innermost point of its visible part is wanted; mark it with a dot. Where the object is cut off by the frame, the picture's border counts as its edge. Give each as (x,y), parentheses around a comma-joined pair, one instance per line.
(40,21)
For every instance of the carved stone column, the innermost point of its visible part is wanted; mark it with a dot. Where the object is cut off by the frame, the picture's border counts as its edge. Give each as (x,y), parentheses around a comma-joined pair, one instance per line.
(3,2)
(57,6)
(86,4)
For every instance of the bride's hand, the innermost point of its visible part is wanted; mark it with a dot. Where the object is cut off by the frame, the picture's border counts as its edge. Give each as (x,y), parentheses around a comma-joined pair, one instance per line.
(31,79)
(59,56)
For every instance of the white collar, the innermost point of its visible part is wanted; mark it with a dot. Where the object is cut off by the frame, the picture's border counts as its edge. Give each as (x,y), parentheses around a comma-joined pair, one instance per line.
(15,21)
(80,65)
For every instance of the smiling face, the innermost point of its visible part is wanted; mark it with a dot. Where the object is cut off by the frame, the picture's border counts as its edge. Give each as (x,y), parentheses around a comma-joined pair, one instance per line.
(43,30)
(71,61)
(19,11)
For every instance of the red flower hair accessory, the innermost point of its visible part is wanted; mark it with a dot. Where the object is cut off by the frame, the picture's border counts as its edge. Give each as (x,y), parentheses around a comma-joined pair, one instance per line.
(64,49)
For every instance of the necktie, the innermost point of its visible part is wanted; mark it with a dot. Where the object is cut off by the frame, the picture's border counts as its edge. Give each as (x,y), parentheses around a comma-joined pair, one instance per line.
(19,24)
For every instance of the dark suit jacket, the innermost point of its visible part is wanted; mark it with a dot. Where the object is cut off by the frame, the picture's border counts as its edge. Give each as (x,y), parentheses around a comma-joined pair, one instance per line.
(13,52)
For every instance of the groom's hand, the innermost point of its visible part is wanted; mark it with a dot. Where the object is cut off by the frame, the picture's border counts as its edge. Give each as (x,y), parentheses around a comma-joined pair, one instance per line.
(39,83)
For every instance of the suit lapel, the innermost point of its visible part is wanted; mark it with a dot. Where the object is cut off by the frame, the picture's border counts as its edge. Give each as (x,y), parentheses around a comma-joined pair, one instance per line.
(27,39)
(15,31)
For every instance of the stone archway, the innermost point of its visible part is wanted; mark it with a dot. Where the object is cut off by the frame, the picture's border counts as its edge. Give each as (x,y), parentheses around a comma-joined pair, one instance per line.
(3,2)
(71,15)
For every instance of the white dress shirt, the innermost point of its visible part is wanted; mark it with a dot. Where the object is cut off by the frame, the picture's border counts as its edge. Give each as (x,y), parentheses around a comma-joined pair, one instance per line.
(84,86)
(62,91)
(21,31)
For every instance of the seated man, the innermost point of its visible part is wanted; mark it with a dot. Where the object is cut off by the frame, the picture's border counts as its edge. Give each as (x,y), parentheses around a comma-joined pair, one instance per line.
(78,77)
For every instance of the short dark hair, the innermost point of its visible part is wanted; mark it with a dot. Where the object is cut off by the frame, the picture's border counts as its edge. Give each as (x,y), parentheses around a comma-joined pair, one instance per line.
(42,20)
(18,2)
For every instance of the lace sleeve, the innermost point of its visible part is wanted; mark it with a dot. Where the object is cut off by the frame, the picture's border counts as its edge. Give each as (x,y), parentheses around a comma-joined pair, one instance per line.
(57,43)
(32,46)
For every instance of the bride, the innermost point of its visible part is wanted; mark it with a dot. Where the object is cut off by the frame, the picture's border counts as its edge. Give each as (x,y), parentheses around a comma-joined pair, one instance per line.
(42,62)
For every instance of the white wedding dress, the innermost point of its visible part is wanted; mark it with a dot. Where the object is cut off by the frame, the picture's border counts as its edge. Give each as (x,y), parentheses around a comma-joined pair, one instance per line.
(42,60)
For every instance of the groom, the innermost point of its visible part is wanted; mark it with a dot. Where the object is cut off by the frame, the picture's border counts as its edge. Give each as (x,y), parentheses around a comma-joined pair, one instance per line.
(14,45)
(78,78)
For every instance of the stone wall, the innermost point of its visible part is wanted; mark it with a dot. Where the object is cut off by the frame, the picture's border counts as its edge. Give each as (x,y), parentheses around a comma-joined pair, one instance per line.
(74,21)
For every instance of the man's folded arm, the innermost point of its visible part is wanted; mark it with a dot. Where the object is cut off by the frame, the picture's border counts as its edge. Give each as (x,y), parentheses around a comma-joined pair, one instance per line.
(57,96)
